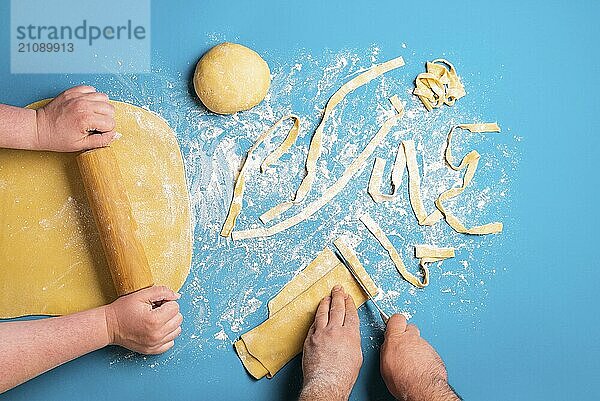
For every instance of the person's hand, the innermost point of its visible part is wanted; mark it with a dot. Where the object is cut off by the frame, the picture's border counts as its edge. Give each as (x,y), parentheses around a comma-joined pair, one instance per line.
(411,368)
(332,354)
(79,118)
(134,324)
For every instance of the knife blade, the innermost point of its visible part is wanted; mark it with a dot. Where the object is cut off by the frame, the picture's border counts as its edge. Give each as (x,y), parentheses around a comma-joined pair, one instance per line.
(384,316)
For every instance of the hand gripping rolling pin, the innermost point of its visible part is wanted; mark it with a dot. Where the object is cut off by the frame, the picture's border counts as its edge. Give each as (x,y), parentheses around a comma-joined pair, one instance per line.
(110,206)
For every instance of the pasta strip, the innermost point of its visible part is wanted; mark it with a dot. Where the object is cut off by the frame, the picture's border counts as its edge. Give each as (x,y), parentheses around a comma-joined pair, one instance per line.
(238,189)
(426,254)
(315,149)
(330,192)
(469,162)
(414,187)
(377,173)
(405,157)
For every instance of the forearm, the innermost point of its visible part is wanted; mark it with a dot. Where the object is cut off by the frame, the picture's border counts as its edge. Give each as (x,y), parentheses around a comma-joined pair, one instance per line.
(321,392)
(29,348)
(18,127)
(430,390)
(441,392)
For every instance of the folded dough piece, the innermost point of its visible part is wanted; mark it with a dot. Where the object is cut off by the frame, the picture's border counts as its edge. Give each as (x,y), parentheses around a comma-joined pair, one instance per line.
(265,349)
(321,265)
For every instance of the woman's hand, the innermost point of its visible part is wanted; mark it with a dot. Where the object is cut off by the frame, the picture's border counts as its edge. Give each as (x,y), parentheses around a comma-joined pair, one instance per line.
(135,323)
(78,119)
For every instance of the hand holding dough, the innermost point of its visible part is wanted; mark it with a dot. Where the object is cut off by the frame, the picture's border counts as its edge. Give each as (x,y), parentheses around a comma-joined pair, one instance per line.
(265,349)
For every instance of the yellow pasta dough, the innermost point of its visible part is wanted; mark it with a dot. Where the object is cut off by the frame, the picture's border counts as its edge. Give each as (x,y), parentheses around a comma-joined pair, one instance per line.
(240,183)
(265,349)
(231,78)
(314,151)
(51,260)
(468,163)
(406,157)
(377,174)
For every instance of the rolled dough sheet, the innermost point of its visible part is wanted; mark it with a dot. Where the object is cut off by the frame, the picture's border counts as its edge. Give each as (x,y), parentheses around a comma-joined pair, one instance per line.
(265,349)
(51,259)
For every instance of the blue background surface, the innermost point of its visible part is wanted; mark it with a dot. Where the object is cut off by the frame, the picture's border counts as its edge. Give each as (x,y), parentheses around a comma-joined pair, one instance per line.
(536,335)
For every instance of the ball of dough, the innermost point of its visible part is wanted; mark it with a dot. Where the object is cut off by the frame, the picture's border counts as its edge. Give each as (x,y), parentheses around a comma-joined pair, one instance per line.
(231,78)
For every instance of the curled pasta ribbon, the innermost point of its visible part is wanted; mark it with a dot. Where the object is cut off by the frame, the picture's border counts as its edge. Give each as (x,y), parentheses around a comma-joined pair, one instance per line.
(238,189)
(425,253)
(414,187)
(315,149)
(334,189)
(377,174)
(406,157)
(469,162)
(438,85)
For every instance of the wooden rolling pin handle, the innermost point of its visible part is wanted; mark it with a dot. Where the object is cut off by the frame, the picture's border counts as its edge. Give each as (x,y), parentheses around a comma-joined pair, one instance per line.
(110,206)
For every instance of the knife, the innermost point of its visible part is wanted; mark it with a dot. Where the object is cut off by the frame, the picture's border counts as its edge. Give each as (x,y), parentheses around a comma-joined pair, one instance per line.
(383,315)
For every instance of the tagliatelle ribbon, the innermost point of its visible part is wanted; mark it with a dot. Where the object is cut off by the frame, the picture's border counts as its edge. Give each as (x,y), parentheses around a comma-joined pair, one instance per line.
(432,254)
(315,149)
(469,162)
(414,187)
(377,174)
(425,253)
(334,189)
(238,189)
(438,85)
(409,159)
(405,157)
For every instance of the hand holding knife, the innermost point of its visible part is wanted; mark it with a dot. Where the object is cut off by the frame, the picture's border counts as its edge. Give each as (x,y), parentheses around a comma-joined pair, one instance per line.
(383,315)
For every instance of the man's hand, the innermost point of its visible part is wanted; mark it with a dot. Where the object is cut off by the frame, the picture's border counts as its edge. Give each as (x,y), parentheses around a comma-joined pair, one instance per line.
(79,118)
(411,368)
(332,354)
(133,323)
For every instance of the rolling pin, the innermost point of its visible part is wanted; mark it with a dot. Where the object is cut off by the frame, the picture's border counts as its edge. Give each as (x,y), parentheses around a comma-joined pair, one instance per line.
(110,206)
